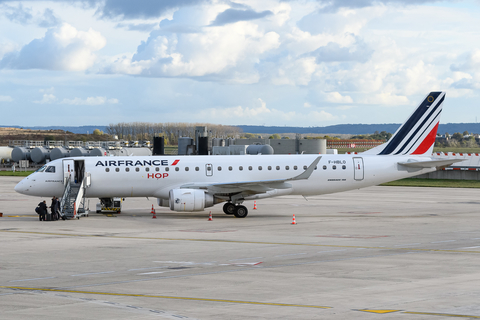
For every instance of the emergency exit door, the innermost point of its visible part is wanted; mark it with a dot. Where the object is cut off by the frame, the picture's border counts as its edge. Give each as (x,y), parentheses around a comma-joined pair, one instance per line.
(358,168)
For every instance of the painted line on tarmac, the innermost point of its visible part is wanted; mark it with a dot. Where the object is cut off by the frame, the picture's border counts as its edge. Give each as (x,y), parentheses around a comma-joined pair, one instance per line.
(443,314)
(31,279)
(169,297)
(239,241)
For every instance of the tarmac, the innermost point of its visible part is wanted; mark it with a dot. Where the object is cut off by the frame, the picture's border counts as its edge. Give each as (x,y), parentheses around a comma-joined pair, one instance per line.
(374,253)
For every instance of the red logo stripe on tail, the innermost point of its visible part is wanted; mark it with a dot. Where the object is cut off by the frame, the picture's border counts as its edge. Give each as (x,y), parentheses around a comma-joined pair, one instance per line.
(175,162)
(427,142)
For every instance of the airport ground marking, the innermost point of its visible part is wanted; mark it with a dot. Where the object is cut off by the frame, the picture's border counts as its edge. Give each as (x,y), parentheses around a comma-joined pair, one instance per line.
(168,297)
(241,242)
(443,314)
(378,311)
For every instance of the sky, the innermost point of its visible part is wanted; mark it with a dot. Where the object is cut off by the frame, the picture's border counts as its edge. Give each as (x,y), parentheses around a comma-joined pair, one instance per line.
(271,62)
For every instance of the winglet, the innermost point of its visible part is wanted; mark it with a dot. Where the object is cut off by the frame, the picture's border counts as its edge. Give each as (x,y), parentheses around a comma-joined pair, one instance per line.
(306,174)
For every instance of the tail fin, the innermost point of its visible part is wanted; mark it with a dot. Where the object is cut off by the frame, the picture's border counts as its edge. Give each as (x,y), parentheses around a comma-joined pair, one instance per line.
(417,134)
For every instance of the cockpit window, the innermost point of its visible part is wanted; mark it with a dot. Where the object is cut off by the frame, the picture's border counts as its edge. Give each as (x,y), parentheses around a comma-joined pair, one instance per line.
(42,169)
(50,169)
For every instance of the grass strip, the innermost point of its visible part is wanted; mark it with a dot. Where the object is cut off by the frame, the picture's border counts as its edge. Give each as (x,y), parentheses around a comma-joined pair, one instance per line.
(15,174)
(437,183)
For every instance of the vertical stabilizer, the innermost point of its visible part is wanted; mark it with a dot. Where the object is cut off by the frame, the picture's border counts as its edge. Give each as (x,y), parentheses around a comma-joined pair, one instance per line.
(417,134)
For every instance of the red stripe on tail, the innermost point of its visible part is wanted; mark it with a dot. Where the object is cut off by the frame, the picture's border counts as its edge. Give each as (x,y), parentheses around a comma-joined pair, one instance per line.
(427,142)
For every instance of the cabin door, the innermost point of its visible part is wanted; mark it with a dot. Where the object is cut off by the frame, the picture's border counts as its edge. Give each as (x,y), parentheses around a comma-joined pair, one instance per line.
(358,168)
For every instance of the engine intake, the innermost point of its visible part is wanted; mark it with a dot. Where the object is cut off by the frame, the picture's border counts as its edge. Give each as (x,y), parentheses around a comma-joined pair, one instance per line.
(190,200)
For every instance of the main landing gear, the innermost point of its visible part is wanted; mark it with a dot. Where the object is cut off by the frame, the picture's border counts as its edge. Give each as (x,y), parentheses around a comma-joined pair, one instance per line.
(238,211)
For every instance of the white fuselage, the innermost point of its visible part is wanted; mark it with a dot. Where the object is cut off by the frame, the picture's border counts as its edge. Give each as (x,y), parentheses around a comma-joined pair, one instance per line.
(155,176)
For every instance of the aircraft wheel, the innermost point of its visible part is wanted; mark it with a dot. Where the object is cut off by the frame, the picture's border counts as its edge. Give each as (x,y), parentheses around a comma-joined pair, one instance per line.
(240,212)
(229,208)
(98,211)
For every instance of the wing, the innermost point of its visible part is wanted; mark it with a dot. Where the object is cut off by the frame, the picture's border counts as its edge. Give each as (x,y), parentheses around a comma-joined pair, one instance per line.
(262,188)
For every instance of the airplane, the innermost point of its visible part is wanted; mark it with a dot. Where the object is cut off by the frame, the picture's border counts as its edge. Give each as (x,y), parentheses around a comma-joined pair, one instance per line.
(193,183)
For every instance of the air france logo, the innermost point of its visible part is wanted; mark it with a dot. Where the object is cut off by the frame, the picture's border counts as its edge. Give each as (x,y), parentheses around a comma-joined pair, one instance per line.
(132,163)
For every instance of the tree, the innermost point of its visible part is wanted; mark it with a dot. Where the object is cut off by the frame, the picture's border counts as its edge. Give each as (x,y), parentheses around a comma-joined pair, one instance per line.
(97,132)
(274,136)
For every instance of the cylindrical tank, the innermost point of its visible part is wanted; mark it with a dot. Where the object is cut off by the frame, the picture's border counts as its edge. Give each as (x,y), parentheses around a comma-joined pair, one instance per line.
(58,153)
(98,152)
(80,152)
(20,153)
(40,154)
(6,153)
(203,146)
(259,149)
(312,146)
(134,152)
(183,142)
(158,146)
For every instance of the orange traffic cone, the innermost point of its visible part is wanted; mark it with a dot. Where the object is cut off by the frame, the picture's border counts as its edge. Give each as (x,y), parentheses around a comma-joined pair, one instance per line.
(210,216)
(254,205)
(153,212)
(294,222)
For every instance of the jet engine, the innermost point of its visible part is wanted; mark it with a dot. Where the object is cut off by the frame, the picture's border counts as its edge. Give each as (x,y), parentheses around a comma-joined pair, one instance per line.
(190,200)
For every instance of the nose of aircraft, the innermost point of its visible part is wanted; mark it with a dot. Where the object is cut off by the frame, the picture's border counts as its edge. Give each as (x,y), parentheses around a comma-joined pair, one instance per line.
(22,186)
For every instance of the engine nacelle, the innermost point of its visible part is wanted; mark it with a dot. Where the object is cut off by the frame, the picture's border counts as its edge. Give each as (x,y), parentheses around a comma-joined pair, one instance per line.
(190,200)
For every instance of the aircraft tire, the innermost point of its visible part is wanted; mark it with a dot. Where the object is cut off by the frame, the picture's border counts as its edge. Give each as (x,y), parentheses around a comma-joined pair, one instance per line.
(240,212)
(229,208)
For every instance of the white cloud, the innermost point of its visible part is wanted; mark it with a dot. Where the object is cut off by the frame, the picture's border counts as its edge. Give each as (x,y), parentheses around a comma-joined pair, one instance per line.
(336,97)
(62,48)
(6,99)
(90,101)
(260,114)
(47,98)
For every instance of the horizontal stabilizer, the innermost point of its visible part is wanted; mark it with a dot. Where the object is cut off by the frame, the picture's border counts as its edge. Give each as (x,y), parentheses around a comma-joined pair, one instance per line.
(430,163)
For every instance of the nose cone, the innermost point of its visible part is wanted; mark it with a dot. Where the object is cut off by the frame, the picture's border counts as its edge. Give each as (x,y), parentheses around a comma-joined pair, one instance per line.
(22,187)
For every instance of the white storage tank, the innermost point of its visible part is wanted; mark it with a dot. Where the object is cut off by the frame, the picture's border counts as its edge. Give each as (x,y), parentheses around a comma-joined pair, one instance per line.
(5,154)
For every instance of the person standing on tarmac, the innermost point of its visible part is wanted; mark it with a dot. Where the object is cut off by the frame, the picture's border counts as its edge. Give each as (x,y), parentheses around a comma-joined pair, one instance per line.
(43,210)
(52,208)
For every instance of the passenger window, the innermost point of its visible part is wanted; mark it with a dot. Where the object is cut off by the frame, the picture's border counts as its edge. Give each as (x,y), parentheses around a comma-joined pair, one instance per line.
(315,167)
(50,169)
(278,167)
(324,168)
(197,168)
(240,168)
(157,169)
(344,167)
(127,169)
(230,168)
(137,169)
(269,167)
(117,169)
(295,167)
(334,167)
(107,169)
(186,169)
(305,167)
(147,169)
(287,168)
(167,169)
(250,168)
(219,168)
(177,169)
(259,167)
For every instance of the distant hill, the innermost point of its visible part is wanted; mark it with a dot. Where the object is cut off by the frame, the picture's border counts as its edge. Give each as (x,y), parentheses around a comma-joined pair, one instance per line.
(335,129)
(357,128)
(82,129)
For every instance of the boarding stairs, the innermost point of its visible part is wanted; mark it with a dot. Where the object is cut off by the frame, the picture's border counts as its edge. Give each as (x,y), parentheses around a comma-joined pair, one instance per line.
(72,204)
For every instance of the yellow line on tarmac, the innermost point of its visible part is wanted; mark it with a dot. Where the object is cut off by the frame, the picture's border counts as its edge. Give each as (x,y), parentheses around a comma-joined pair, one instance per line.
(444,315)
(169,297)
(241,241)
